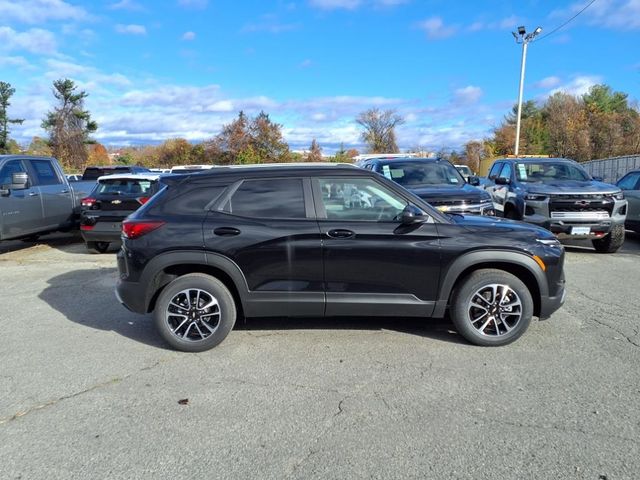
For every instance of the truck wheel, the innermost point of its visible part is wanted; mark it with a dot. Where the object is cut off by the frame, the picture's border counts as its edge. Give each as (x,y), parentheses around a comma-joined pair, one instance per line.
(100,247)
(612,242)
(512,214)
(195,312)
(491,308)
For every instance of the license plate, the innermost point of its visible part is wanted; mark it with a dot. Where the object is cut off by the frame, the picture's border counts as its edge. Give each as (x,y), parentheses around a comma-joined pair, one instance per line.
(580,230)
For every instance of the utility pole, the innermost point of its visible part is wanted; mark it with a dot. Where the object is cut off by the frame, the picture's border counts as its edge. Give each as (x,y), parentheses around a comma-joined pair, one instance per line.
(523,38)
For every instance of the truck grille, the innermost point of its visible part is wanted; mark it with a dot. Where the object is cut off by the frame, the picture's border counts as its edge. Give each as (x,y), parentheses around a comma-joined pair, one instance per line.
(577,206)
(591,215)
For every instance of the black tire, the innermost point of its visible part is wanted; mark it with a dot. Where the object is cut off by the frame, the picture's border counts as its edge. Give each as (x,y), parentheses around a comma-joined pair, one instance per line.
(166,315)
(100,247)
(512,214)
(503,331)
(612,242)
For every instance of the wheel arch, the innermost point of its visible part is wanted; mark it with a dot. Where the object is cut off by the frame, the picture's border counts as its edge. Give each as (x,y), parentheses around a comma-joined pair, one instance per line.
(519,264)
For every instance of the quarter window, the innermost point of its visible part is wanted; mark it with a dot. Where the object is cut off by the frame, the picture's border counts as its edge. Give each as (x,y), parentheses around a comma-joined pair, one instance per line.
(271,198)
(359,199)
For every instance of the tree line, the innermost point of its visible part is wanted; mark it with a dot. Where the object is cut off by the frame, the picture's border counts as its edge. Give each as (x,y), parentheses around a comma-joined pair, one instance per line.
(601,123)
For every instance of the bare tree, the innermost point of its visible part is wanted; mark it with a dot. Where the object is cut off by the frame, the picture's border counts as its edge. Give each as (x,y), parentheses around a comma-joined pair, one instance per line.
(379,129)
(315,152)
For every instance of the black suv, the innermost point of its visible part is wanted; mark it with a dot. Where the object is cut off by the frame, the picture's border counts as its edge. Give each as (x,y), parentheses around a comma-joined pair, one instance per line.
(327,240)
(437,182)
(558,194)
(112,199)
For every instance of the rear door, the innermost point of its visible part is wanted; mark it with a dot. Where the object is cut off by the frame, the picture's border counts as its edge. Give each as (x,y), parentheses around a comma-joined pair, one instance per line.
(21,210)
(57,199)
(267,226)
(373,265)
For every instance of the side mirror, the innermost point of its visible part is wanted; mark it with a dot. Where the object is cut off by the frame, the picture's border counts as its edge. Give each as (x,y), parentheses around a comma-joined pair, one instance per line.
(597,179)
(412,215)
(19,181)
(502,181)
(473,180)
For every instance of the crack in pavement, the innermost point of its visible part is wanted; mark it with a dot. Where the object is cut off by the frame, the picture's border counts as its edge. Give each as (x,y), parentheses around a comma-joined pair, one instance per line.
(55,401)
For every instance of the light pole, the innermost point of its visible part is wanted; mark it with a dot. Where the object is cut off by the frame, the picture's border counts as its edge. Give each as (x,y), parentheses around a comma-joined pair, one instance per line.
(524,38)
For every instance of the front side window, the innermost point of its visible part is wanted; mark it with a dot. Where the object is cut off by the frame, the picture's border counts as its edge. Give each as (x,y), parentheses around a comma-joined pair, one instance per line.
(630,182)
(359,199)
(11,167)
(45,173)
(494,170)
(269,198)
(506,171)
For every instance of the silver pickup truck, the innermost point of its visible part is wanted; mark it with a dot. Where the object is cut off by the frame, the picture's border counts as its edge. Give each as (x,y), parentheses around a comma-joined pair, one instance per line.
(36,197)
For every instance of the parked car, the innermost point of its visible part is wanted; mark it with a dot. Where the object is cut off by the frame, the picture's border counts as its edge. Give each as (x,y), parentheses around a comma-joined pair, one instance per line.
(329,240)
(559,195)
(36,197)
(436,181)
(93,173)
(111,201)
(630,185)
(465,171)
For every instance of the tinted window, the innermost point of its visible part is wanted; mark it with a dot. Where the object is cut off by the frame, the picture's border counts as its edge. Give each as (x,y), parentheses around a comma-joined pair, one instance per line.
(14,166)
(550,172)
(506,171)
(494,170)
(420,174)
(630,181)
(273,198)
(359,199)
(126,186)
(192,201)
(45,173)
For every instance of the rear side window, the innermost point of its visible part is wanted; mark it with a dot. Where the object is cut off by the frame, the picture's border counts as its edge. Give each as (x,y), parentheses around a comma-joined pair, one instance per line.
(193,201)
(269,198)
(494,170)
(7,171)
(45,173)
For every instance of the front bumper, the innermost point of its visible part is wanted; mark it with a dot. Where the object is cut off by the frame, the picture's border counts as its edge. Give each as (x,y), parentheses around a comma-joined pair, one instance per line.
(548,305)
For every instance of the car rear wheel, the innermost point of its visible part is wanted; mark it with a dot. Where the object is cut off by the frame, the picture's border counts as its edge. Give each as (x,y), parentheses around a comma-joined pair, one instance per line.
(491,308)
(195,312)
(612,242)
(100,247)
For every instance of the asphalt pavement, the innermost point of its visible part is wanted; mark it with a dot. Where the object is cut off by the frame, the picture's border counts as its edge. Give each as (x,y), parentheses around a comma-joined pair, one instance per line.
(88,390)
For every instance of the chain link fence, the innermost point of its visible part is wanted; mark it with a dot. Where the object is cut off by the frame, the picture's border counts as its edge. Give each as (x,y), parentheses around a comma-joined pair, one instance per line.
(611,169)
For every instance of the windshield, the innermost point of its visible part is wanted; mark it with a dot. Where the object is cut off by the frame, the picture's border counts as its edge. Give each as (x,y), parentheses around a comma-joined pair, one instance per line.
(421,174)
(463,169)
(550,172)
(125,186)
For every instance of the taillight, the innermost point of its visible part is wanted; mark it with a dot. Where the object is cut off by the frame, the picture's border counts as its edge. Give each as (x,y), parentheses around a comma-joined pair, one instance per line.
(88,202)
(86,227)
(137,228)
(143,200)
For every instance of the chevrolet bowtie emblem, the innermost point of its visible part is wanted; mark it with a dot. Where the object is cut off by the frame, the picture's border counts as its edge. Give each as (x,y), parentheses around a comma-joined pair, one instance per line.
(116,202)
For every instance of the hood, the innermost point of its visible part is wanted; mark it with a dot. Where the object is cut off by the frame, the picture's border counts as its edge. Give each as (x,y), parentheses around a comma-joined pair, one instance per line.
(447,193)
(496,226)
(573,187)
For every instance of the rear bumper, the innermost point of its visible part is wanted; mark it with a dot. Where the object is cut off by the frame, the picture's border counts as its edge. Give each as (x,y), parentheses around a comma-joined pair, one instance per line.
(102,232)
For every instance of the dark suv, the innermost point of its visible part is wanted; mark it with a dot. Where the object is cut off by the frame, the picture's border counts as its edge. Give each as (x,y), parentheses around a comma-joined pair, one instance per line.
(437,182)
(327,240)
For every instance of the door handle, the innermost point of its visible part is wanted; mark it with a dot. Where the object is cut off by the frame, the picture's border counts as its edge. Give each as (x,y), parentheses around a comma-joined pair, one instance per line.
(33,194)
(64,191)
(226,231)
(341,233)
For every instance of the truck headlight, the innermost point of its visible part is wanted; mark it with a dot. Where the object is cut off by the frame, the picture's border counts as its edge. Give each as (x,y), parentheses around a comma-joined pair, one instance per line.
(618,195)
(535,197)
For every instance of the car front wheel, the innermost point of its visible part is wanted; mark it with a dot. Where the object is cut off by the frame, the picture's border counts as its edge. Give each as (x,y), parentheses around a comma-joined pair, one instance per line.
(491,308)
(195,312)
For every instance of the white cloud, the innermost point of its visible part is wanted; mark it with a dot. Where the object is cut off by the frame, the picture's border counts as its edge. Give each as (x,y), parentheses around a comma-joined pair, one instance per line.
(508,23)
(270,24)
(131,29)
(335,4)
(579,85)
(188,36)
(617,14)
(40,11)
(548,82)
(16,62)
(435,28)
(196,4)
(34,40)
(86,76)
(467,95)
(130,5)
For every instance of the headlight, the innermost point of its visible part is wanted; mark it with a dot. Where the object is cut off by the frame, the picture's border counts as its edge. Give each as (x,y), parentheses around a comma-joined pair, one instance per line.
(550,242)
(536,197)
(618,195)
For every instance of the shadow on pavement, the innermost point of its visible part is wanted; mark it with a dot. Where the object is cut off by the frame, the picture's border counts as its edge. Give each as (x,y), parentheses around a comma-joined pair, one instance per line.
(54,240)
(631,245)
(86,297)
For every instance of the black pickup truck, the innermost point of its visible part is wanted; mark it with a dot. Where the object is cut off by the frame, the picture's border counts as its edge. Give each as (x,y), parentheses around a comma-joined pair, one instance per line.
(559,195)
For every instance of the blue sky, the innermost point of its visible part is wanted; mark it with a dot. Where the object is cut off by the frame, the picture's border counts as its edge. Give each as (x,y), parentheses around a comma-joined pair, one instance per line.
(182,68)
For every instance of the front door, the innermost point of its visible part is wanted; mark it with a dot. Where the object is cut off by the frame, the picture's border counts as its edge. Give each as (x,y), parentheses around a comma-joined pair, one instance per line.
(267,227)
(56,195)
(21,210)
(374,265)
